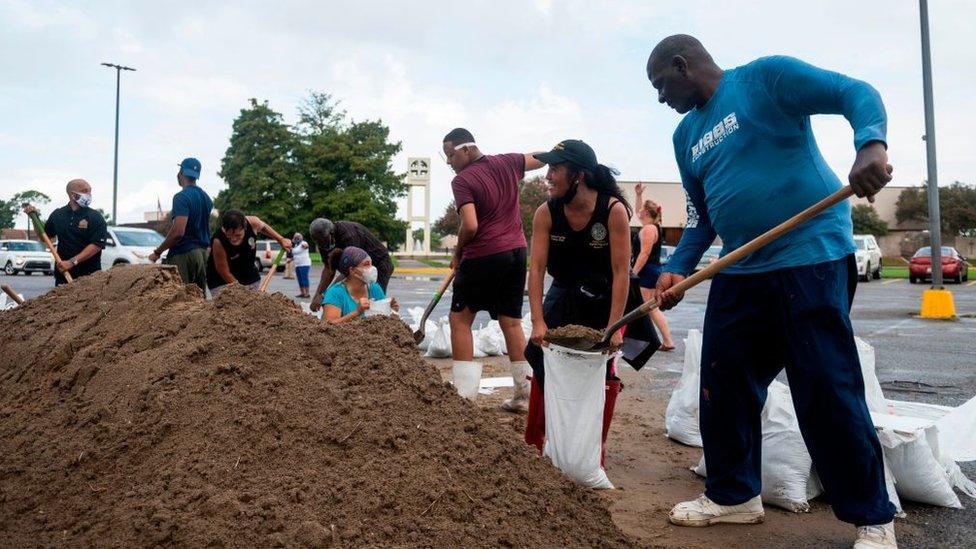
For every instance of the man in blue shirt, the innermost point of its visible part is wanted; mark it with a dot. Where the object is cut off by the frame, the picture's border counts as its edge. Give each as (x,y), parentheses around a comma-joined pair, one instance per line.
(189,235)
(748,161)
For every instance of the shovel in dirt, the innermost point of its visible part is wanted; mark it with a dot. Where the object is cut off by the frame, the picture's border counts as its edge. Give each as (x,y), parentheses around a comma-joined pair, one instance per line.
(12,294)
(587,339)
(271,271)
(418,336)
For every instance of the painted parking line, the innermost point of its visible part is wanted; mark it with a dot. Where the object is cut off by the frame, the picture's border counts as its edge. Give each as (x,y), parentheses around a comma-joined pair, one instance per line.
(890,281)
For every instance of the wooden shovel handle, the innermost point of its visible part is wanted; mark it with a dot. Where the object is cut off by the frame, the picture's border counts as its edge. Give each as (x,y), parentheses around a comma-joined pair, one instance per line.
(39,228)
(437,297)
(737,254)
(13,295)
(271,271)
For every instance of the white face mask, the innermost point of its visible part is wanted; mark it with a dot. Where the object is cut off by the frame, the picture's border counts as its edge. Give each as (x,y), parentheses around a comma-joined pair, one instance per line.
(370,275)
(83,200)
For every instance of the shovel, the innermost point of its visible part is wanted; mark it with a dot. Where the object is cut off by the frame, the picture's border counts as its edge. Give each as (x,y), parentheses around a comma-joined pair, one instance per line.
(271,271)
(12,294)
(418,336)
(39,227)
(588,344)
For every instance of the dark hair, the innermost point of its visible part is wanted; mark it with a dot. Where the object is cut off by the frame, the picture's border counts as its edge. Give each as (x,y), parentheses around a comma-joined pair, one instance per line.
(458,136)
(601,179)
(233,219)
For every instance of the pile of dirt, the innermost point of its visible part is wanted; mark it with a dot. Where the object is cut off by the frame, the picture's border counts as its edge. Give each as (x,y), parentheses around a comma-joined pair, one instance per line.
(133,413)
(573,332)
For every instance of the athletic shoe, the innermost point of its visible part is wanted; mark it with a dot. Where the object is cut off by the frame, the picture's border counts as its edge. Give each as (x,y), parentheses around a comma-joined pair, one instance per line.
(705,512)
(881,536)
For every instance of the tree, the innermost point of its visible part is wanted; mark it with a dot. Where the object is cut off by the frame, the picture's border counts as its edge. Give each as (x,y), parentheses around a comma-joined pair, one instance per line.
(36,198)
(105,215)
(532,193)
(449,223)
(260,173)
(8,213)
(957,205)
(867,221)
(346,168)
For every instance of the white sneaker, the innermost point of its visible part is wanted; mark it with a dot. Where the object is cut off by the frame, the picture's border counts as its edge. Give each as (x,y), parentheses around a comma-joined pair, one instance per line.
(881,536)
(705,512)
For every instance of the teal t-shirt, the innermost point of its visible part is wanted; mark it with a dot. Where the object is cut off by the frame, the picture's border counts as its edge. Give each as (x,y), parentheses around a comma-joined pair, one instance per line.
(338,296)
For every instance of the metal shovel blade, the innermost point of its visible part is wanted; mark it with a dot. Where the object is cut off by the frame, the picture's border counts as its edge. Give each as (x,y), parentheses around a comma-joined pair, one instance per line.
(418,336)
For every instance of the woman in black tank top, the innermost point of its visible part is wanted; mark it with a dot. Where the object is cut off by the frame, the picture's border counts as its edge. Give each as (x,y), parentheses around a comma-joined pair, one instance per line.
(233,249)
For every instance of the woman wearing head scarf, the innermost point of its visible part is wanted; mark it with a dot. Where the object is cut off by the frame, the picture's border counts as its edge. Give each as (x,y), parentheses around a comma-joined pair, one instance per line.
(352,296)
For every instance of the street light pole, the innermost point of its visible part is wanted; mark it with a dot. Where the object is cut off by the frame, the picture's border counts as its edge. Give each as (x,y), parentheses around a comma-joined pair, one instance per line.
(935,234)
(115,172)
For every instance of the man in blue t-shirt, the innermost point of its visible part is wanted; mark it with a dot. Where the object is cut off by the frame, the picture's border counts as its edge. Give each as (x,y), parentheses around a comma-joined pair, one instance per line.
(189,235)
(748,161)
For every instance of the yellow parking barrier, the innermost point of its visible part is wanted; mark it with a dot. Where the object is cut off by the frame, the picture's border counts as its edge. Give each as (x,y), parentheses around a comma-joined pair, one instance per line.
(938,304)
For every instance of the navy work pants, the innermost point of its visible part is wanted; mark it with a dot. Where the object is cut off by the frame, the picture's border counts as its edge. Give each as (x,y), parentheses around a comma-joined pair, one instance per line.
(797,319)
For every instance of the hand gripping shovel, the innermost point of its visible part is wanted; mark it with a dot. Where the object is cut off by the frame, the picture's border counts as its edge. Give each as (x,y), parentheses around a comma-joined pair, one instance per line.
(39,227)
(418,336)
(583,343)
(271,271)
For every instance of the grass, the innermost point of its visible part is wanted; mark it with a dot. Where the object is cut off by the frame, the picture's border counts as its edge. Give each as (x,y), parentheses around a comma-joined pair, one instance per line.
(438,263)
(902,272)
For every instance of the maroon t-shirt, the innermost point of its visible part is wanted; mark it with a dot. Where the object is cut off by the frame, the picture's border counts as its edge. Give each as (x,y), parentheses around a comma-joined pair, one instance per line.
(491,183)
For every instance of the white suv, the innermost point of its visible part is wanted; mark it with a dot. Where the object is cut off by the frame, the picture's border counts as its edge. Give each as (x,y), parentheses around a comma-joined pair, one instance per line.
(129,245)
(868,256)
(25,256)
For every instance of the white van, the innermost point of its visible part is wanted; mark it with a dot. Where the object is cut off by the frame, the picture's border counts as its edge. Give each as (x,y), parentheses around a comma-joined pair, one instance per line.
(129,245)
(25,256)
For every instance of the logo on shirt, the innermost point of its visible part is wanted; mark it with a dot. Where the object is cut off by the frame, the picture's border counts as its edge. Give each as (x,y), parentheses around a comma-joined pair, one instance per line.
(692,212)
(599,232)
(83,224)
(714,136)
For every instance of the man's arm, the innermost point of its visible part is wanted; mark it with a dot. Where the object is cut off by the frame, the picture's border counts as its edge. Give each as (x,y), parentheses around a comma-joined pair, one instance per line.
(803,89)
(174,235)
(220,261)
(541,227)
(98,234)
(531,163)
(260,227)
(327,275)
(67,264)
(466,232)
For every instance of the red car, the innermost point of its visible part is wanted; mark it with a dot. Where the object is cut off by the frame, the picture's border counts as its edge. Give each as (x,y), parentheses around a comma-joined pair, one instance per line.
(954,266)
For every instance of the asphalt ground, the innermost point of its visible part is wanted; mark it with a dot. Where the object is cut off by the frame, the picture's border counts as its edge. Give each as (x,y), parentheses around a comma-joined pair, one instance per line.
(916,359)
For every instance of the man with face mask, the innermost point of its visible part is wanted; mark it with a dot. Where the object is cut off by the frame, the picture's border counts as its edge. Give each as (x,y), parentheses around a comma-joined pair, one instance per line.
(189,234)
(343,234)
(80,231)
(490,257)
(234,249)
(748,161)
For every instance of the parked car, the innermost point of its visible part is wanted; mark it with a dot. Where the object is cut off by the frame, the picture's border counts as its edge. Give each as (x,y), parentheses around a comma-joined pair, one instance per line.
(666,253)
(954,266)
(25,256)
(267,250)
(710,256)
(868,256)
(129,245)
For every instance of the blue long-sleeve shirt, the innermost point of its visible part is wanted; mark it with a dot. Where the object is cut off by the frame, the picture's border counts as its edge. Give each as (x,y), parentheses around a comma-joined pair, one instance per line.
(748,161)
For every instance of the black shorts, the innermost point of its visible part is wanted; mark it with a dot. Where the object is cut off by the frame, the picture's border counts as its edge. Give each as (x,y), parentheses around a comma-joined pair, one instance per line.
(493,283)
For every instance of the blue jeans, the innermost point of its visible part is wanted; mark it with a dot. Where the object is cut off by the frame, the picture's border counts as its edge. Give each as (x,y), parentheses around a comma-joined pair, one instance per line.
(798,319)
(302,274)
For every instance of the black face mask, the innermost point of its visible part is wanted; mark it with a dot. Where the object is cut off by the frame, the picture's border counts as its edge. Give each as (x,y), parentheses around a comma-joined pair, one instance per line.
(570,194)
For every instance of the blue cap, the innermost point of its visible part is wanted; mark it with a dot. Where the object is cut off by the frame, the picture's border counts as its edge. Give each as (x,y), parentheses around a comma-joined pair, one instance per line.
(190,167)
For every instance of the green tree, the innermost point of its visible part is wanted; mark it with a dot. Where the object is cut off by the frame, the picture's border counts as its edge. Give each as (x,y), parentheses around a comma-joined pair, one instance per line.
(346,168)
(35,198)
(867,221)
(449,223)
(258,169)
(8,213)
(957,208)
(532,193)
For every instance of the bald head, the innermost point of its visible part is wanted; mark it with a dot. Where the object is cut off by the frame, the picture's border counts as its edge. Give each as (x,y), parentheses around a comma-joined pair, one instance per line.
(78,186)
(683,72)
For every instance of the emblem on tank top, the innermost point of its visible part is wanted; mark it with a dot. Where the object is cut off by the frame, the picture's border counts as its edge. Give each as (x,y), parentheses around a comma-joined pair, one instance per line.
(250,242)
(599,232)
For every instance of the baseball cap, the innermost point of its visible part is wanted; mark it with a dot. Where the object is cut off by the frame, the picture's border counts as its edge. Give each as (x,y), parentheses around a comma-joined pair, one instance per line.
(570,150)
(190,167)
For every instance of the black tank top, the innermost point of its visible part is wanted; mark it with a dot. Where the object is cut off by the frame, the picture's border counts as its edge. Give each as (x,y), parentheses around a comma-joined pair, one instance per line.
(580,256)
(655,258)
(240,259)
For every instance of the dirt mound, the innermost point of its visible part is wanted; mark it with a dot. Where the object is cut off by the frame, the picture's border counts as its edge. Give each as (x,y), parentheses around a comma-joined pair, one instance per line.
(134,413)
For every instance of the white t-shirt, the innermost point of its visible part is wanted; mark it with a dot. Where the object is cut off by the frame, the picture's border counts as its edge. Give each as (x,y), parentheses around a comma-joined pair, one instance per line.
(299,255)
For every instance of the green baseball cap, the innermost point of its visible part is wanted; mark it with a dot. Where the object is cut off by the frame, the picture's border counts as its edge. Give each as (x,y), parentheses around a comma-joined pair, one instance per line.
(573,151)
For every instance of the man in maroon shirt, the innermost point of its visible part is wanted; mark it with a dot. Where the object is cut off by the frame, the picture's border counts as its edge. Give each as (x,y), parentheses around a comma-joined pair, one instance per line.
(490,256)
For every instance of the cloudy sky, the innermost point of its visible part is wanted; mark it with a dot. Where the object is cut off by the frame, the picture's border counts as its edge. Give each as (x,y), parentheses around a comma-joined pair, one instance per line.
(520,75)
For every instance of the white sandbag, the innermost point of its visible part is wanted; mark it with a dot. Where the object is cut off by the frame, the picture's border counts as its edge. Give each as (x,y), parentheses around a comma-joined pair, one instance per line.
(788,479)
(440,340)
(380,307)
(574,400)
(681,417)
(919,476)
(416,313)
(872,388)
(957,432)
(490,340)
